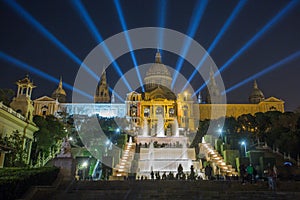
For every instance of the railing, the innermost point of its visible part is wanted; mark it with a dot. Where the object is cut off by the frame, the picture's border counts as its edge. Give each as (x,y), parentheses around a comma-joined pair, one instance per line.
(43,161)
(265,146)
(11,111)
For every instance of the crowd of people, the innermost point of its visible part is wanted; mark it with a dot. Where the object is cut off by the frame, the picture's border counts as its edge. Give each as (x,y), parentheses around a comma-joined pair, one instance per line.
(248,174)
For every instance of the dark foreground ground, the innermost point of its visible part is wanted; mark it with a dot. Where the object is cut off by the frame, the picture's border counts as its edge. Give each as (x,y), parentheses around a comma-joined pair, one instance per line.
(176,189)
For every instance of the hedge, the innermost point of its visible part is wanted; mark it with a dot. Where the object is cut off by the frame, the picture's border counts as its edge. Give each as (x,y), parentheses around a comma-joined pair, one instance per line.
(14,182)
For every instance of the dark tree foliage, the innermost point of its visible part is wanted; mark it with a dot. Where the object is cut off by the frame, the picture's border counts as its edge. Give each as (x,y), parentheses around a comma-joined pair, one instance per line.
(278,130)
(17,156)
(50,132)
(6,96)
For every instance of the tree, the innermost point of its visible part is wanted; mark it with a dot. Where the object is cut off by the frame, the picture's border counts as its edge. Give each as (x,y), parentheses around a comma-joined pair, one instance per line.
(230,125)
(17,156)
(50,132)
(6,96)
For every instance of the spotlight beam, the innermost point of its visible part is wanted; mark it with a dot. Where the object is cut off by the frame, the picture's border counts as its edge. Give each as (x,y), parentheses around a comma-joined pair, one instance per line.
(77,4)
(224,28)
(41,29)
(266,70)
(124,27)
(11,60)
(162,5)
(262,31)
(194,23)
(257,36)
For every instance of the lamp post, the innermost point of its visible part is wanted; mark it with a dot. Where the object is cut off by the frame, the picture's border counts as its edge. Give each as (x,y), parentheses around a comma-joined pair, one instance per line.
(220,130)
(84,166)
(243,143)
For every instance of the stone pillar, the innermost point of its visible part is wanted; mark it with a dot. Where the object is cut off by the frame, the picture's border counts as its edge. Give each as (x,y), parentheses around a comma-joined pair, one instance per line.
(67,167)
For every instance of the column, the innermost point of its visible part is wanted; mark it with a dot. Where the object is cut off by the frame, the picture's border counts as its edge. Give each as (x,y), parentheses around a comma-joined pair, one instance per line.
(18,93)
(29,151)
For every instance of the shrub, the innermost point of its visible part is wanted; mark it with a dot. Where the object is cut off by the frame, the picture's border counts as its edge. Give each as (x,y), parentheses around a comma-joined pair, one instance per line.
(15,181)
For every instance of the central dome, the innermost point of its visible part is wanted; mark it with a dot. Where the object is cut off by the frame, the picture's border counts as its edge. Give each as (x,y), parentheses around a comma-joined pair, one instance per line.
(158,75)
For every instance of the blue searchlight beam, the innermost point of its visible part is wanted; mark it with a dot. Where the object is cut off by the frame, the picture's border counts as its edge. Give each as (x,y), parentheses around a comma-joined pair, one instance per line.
(225,27)
(194,23)
(257,36)
(124,27)
(266,70)
(162,5)
(9,59)
(40,28)
(77,4)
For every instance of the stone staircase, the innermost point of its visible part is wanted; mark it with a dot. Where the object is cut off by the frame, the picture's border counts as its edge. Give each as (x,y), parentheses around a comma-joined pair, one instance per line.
(123,168)
(213,156)
(176,189)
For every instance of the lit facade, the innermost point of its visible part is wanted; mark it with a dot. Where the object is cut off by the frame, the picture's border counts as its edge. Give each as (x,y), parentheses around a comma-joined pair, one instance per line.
(159,99)
(236,110)
(17,119)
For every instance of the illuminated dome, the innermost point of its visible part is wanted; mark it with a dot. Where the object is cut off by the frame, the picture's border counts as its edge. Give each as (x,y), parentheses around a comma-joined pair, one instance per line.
(158,74)
(256,95)
(59,93)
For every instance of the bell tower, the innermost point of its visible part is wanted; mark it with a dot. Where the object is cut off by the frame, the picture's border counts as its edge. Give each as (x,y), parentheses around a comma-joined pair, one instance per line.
(102,93)
(22,103)
(213,92)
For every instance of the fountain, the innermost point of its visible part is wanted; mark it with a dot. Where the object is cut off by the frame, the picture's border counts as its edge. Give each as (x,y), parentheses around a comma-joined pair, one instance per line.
(160,126)
(184,151)
(151,151)
(168,153)
(175,128)
(145,128)
(130,140)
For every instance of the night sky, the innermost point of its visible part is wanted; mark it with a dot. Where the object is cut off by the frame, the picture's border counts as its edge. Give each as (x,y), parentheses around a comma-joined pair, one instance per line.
(21,40)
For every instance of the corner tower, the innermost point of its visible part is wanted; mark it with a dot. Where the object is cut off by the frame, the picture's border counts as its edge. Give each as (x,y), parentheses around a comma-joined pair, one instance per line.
(213,92)
(22,103)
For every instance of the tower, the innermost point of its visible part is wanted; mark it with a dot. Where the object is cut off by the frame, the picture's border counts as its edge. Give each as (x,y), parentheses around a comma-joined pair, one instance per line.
(59,93)
(199,98)
(257,95)
(102,93)
(22,103)
(213,93)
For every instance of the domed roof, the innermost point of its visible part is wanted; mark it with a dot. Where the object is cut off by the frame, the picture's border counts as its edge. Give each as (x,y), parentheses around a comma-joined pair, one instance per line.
(158,68)
(256,95)
(158,74)
(59,93)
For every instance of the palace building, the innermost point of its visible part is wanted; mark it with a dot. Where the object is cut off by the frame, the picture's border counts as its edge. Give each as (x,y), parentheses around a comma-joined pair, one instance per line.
(157,99)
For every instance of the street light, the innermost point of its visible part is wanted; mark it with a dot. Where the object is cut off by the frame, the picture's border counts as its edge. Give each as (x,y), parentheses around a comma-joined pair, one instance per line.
(220,131)
(84,166)
(243,143)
